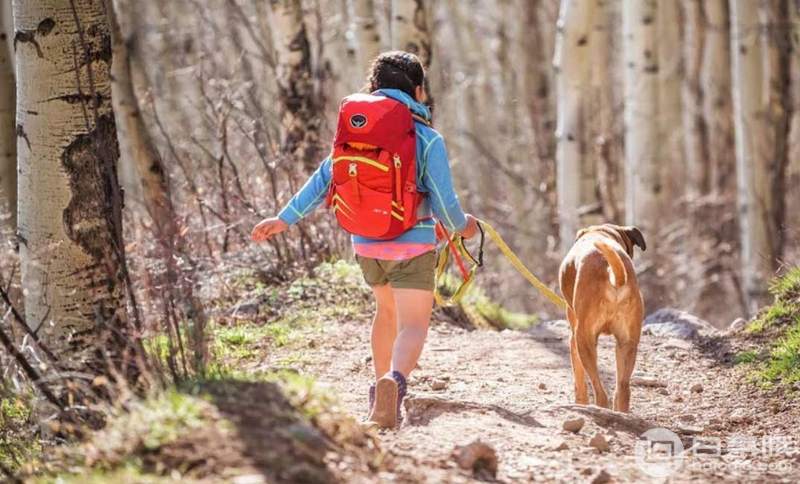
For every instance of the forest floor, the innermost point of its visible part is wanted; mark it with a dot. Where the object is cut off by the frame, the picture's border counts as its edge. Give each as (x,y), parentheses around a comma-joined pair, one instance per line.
(510,389)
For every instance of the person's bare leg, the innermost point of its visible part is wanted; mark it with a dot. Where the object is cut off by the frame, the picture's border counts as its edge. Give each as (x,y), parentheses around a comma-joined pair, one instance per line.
(414,308)
(384,329)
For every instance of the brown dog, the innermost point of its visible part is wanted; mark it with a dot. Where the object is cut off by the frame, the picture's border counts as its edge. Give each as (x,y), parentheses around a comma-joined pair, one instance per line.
(599,283)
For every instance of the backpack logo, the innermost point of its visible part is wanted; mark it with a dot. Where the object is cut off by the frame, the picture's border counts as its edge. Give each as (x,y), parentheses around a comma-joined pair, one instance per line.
(358,121)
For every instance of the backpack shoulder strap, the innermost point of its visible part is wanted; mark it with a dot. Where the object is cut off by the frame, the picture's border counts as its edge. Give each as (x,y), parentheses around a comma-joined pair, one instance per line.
(422,120)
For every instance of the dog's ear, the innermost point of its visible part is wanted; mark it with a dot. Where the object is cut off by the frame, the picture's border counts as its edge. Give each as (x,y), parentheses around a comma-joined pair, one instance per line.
(635,236)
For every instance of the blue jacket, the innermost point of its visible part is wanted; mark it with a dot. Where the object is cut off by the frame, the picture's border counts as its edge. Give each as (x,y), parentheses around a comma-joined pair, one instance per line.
(433,179)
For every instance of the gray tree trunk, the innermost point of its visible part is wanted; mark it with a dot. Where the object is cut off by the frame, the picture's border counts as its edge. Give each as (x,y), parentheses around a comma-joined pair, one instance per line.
(760,122)
(715,78)
(8,131)
(694,122)
(301,105)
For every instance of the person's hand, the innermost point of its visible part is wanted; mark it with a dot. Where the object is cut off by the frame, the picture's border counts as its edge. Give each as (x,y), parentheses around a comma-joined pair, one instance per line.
(471,229)
(267,228)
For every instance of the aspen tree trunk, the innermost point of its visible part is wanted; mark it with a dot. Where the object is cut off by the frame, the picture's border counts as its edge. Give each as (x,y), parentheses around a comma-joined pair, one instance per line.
(157,198)
(694,123)
(300,105)
(643,187)
(575,174)
(8,125)
(602,146)
(757,115)
(366,33)
(670,161)
(70,221)
(410,29)
(715,78)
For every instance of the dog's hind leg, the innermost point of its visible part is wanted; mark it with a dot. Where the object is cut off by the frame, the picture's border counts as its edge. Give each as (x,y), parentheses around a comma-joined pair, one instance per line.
(581,389)
(587,350)
(579,376)
(626,360)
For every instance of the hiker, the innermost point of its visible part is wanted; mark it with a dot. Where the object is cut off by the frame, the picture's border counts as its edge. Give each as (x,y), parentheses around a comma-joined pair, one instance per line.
(393,229)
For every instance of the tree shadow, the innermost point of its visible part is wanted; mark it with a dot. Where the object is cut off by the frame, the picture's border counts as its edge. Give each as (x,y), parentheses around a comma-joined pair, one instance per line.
(273,435)
(716,348)
(422,410)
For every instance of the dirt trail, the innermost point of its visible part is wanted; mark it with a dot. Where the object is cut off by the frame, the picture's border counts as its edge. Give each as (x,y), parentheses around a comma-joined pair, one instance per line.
(508,388)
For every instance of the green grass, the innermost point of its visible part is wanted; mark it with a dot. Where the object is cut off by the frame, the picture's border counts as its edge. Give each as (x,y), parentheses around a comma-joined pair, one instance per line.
(779,363)
(778,313)
(783,365)
(787,287)
(482,311)
(18,443)
(744,357)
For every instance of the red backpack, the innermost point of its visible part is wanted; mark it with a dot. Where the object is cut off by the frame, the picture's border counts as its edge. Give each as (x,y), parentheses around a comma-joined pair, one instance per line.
(374,188)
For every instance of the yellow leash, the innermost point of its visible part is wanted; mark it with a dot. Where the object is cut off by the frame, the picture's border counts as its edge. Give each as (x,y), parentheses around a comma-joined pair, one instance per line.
(487,228)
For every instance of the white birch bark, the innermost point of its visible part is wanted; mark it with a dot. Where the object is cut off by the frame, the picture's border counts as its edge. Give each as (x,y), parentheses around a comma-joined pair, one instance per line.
(575,189)
(602,147)
(755,140)
(70,205)
(300,103)
(643,187)
(366,33)
(410,31)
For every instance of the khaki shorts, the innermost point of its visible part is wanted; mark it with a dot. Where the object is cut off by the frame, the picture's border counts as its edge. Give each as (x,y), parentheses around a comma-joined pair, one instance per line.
(415,273)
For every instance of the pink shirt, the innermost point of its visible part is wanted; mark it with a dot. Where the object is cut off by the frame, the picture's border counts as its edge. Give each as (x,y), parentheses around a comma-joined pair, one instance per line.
(392,250)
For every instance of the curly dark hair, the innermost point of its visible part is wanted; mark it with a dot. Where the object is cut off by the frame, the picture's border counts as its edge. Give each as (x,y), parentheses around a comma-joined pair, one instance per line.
(396,70)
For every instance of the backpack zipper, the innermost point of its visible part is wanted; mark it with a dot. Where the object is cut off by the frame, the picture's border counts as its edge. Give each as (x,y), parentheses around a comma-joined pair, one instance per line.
(398,190)
(363,159)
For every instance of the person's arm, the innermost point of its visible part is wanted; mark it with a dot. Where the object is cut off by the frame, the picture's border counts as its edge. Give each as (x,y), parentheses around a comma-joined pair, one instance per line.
(310,196)
(438,180)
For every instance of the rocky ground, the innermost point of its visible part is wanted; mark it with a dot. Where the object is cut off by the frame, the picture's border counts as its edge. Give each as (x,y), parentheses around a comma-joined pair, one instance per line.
(512,390)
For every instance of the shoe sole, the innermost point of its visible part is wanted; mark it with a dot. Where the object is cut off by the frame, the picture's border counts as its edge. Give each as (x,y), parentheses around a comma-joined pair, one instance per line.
(384,413)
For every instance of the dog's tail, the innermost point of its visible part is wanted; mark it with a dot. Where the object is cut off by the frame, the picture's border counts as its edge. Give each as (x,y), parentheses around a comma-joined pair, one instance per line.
(615,263)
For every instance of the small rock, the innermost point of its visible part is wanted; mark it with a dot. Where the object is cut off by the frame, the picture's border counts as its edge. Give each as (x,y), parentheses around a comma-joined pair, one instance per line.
(687,417)
(647,381)
(560,445)
(673,323)
(689,429)
(737,325)
(740,416)
(438,385)
(247,309)
(367,360)
(542,386)
(478,457)
(599,442)
(574,425)
(678,399)
(663,391)
(696,388)
(601,477)
(587,471)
